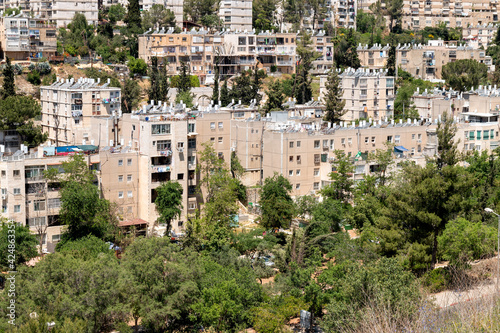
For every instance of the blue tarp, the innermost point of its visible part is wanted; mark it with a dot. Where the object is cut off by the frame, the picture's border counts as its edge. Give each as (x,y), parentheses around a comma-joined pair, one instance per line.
(400,149)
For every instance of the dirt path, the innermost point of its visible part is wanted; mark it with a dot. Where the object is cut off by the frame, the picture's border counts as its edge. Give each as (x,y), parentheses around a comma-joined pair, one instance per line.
(449,298)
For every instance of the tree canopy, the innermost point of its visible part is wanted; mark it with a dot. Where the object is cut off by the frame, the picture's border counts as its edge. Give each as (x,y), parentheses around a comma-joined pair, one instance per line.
(464,74)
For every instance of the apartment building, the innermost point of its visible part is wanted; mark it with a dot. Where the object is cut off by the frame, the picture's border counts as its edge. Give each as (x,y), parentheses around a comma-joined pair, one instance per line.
(236,15)
(80,112)
(367,94)
(422,61)
(452,13)
(61,12)
(324,46)
(277,51)
(25,38)
(345,13)
(29,198)
(480,35)
(305,156)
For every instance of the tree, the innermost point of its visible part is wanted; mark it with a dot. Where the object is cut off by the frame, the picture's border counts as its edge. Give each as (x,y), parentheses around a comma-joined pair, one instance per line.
(82,208)
(294,11)
(334,102)
(263,15)
(202,11)
(161,303)
(275,97)
(276,203)
(391,61)
(158,17)
(17,244)
(184,79)
(131,93)
(346,54)
(306,55)
(224,94)
(116,13)
(9,87)
(169,203)
(464,74)
(160,87)
(317,8)
(215,91)
(364,21)
(137,66)
(447,146)
(394,9)
(463,241)
(18,113)
(133,18)
(341,187)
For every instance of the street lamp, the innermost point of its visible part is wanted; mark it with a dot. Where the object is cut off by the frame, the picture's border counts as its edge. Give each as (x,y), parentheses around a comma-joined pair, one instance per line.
(491,211)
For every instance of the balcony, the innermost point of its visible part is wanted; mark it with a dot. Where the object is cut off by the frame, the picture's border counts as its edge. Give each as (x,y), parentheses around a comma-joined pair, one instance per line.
(284,63)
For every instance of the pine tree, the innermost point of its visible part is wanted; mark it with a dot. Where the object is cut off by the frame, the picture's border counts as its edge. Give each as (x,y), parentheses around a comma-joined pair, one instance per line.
(256,85)
(275,97)
(224,94)
(302,89)
(9,87)
(184,78)
(154,89)
(391,61)
(215,92)
(133,18)
(164,84)
(334,109)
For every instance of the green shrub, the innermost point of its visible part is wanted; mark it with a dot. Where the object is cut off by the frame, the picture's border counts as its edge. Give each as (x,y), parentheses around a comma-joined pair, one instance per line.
(436,280)
(34,78)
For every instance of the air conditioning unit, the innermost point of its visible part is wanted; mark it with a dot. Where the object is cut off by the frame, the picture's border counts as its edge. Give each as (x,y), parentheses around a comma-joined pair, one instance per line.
(181,150)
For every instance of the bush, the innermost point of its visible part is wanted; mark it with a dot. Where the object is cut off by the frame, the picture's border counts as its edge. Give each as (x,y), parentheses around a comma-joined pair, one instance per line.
(194,81)
(34,78)
(436,280)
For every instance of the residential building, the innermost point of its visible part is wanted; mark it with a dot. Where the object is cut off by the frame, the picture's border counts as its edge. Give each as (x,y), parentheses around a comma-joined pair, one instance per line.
(25,38)
(345,13)
(324,46)
(61,12)
(480,35)
(367,94)
(452,13)
(80,112)
(236,15)
(423,61)
(277,51)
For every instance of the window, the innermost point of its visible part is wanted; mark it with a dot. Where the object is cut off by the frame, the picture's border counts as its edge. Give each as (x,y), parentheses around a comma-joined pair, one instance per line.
(325,144)
(17,191)
(212,125)
(221,155)
(192,205)
(397,139)
(130,194)
(162,145)
(332,144)
(54,203)
(316,172)
(316,186)
(17,173)
(221,125)
(373,139)
(297,172)
(298,144)
(120,195)
(120,178)
(413,136)
(291,144)
(298,159)
(160,129)
(192,143)
(191,128)
(290,159)
(180,144)
(290,173)
(180,176)
(56,238)
(220,139)
(479,135)
(129,178)
(36,221)
(389,138)
(4,173)
(367,139)
(17,208)
(316,144)
(297,186)
(129,162)
(120,162)
(38,205)
(317,158)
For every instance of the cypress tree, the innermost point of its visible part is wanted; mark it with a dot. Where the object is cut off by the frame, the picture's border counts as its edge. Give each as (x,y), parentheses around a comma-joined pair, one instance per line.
(9,87)
(154,89)
(224,94)
(133,18)
(334,104)
(215,92)
(391,61)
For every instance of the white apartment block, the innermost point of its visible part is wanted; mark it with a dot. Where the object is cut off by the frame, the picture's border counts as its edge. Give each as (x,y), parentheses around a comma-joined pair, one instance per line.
(61,12)
(367,94)
(80,112)
(454,13)
(236,15)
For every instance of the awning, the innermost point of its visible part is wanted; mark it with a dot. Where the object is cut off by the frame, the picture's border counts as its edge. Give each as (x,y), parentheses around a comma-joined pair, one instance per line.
(400,149)
(136,221)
